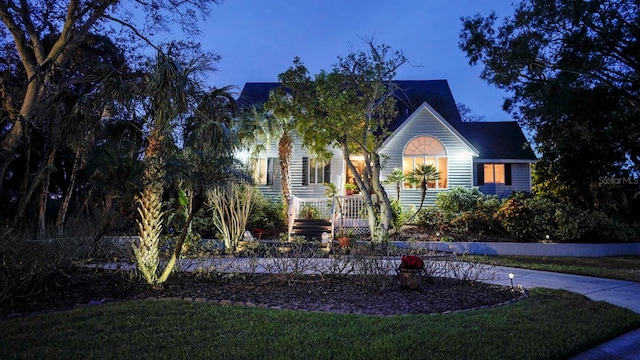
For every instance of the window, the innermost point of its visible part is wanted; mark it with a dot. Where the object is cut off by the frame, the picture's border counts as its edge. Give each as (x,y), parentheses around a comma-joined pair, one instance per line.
(426,150)
(263,171)
(315,171)
(494,174)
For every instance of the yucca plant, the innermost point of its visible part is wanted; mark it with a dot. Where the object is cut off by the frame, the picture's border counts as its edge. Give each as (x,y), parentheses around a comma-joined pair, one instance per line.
(231,207)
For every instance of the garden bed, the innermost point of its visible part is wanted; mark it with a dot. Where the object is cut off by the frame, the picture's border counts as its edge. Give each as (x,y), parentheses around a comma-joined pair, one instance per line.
(360,294)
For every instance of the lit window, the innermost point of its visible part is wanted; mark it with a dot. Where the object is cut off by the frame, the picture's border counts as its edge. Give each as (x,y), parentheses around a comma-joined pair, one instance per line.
(263,171)
(426,150)
(494,173)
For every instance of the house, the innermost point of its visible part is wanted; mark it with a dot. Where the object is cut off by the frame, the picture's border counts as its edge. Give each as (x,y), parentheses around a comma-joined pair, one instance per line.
(495,157)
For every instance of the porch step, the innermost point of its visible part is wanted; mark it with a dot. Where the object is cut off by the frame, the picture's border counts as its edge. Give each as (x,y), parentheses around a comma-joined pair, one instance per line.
(311,229)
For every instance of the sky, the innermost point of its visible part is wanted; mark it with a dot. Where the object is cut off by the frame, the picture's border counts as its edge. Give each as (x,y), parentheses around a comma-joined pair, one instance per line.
(258,39)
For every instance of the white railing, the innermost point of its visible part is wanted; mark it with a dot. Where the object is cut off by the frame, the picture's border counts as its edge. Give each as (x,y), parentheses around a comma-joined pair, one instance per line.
(315,208)
(350,213)
(344,211)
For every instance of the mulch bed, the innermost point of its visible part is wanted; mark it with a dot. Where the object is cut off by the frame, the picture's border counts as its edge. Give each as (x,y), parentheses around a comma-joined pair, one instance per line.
(357,294)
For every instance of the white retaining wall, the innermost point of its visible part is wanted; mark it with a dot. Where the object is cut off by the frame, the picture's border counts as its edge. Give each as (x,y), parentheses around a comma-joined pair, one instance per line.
(527,249)
(506,248)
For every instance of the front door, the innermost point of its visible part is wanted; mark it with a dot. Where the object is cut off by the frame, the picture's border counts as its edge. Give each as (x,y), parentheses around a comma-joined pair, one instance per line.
(350,178)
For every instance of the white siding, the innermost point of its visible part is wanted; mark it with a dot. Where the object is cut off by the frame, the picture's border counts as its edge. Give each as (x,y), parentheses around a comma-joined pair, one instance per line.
(460,169)
(461,164)
(520,180)
(295,172)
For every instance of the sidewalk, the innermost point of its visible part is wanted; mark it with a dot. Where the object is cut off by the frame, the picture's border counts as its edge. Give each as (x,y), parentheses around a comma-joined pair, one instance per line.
(618,292)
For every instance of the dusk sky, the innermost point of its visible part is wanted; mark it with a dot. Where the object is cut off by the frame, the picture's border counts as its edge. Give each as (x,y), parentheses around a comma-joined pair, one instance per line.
(259,39)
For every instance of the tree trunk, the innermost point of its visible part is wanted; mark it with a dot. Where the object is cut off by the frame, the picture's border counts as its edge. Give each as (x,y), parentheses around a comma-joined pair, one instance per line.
(15,137)
(42,208)
(44,196)
(30,187)
(62,211)
(284,156)
(379,211)
(383,202)
(150,210)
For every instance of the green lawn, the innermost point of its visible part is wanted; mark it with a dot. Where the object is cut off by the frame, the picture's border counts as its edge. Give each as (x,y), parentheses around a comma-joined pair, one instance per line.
(550,324)
(614,267)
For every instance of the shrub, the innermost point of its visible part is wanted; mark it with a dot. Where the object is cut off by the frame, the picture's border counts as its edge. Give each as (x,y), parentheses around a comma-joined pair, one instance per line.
(480,218)
(431,217)
(569,223)
(231,208)
(268,215)
(458,200)
(530,218)
(398,217)
(599,227)
(515,216)
(26,265)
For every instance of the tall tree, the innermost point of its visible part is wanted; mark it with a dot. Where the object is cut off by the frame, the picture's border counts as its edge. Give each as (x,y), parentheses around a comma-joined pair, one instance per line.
(572,70)
(349,108)
(280,124)
(66,24)
(172,89)
(261,125)
(205,159)
(68,119)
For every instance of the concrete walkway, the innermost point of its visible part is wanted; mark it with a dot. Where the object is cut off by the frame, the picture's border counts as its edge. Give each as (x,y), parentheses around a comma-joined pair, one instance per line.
(618,292)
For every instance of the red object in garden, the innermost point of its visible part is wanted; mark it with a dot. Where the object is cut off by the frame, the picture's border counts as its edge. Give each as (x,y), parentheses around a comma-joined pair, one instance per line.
(412,262)
(410,272)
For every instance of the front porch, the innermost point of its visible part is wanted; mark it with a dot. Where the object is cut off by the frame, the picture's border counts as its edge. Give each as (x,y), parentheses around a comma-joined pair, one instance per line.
(339,213)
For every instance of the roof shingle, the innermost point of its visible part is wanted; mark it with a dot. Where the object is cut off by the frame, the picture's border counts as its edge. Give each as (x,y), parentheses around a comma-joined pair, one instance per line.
(494,140)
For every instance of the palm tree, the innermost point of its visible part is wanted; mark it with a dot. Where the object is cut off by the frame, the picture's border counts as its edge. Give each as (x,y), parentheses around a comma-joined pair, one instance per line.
(171,86)
(262,125)
(206,158)
(396,177)
(420,177)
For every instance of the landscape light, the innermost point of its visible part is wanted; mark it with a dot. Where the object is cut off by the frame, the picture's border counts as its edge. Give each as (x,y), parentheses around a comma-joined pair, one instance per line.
(511,276)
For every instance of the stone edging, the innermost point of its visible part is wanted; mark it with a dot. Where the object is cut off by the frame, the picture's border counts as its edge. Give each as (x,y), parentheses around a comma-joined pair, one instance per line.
(524,295)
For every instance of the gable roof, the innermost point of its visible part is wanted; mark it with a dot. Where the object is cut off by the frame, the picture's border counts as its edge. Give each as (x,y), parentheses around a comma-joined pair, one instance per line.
(493,140)
(499,140)
(411,94)
(426,107)
(254,93)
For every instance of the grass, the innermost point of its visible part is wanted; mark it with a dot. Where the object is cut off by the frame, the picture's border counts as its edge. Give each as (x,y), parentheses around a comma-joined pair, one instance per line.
(550,324)
(614,267)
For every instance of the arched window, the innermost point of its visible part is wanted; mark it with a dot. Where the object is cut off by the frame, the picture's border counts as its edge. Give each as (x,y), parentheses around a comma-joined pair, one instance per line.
(426,150)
